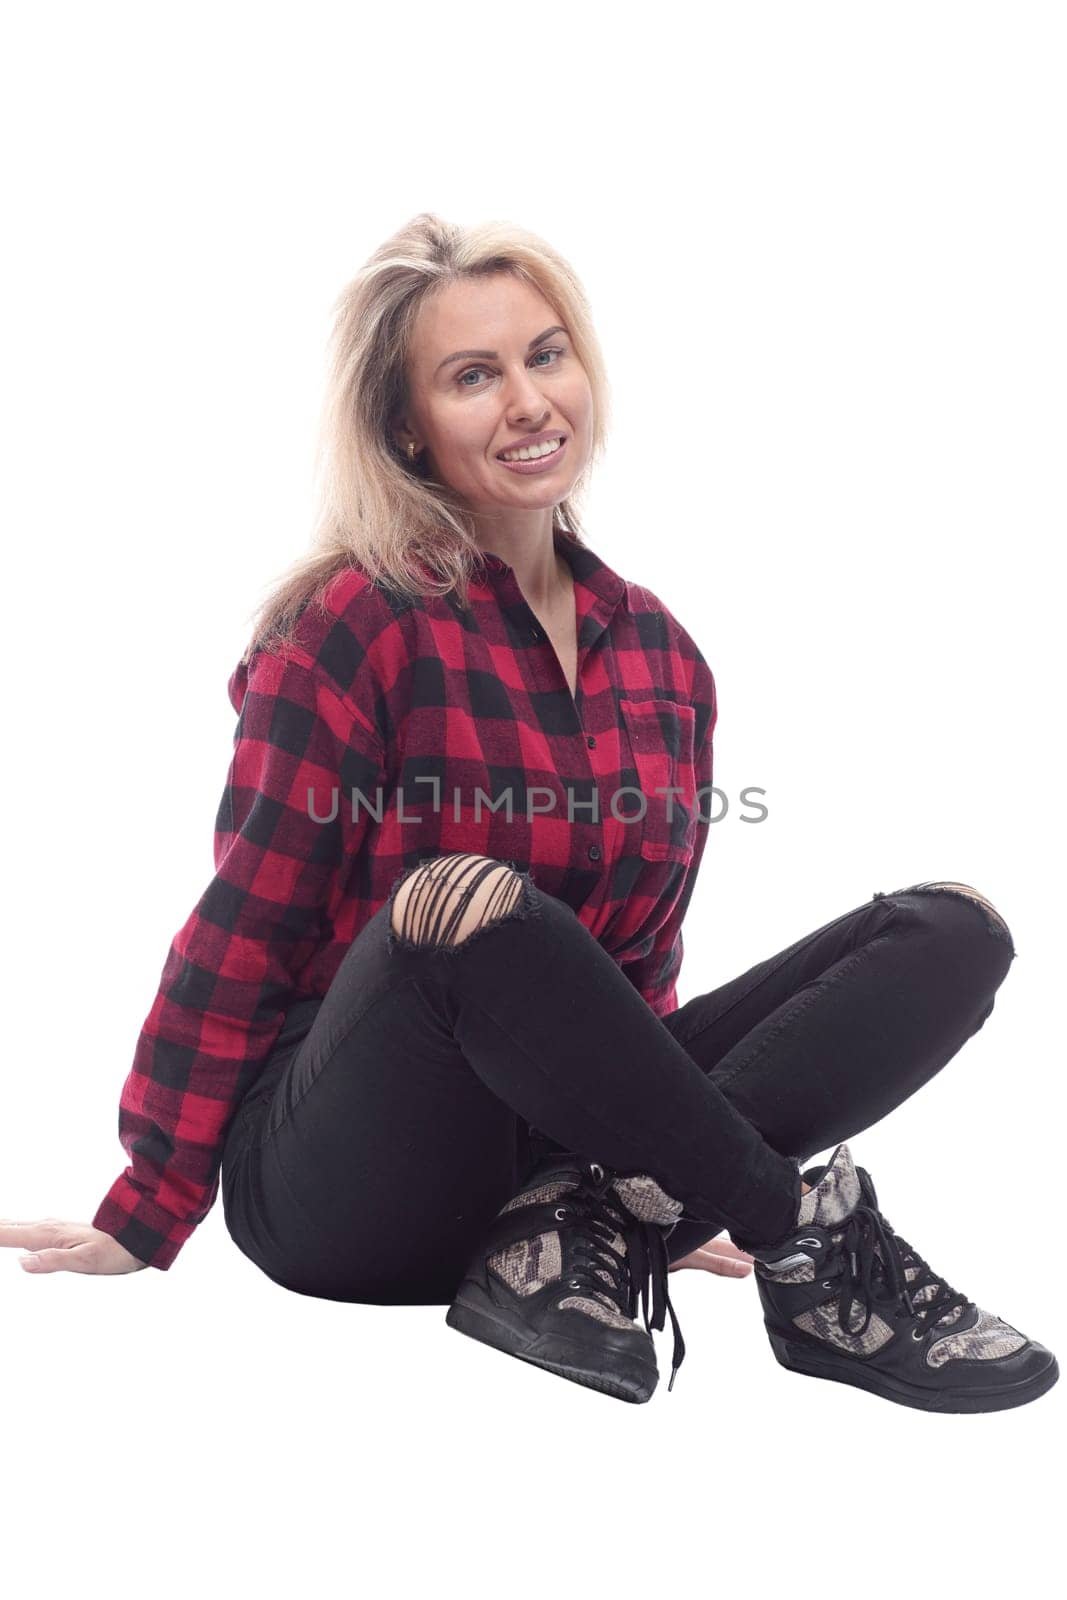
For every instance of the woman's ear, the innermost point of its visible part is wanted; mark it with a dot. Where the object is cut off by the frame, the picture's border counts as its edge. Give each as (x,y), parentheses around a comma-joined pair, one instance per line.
(401,434)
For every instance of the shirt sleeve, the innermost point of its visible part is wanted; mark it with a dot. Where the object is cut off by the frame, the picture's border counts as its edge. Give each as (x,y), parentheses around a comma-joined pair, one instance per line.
(655,974)
(284,837)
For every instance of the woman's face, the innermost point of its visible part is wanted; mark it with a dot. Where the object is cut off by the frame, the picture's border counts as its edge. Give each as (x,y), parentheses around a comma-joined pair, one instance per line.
(489,364)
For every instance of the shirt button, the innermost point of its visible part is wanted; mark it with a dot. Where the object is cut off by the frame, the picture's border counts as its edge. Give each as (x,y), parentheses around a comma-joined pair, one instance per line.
(590,741)
(594,852)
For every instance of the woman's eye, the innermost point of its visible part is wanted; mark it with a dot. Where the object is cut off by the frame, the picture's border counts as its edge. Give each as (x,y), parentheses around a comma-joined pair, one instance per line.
(552,350)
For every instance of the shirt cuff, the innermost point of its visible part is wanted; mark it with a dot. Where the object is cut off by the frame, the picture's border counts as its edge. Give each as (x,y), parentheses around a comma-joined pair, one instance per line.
(140,1224)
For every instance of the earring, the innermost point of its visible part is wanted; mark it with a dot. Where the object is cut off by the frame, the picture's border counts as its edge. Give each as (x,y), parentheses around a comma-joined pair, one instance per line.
(411,450)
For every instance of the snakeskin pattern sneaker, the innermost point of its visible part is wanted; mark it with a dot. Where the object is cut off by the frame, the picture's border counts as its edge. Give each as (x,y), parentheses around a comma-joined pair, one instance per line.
(563,1270)
(848,1299)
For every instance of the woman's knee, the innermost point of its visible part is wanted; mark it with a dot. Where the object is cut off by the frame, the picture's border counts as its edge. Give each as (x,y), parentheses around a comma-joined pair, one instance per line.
(990,918)
(444,901)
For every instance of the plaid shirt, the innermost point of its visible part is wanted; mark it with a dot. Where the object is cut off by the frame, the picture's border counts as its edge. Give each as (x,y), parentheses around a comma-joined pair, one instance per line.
(361,748)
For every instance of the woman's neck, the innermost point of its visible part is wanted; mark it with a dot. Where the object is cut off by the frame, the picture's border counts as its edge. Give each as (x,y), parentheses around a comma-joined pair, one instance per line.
(541,572)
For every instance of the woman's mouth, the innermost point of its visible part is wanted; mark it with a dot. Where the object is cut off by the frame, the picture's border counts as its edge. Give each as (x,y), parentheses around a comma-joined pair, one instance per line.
(537,463)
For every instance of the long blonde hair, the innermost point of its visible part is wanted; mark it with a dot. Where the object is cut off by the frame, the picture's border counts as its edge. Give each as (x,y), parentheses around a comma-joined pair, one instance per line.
(373,507)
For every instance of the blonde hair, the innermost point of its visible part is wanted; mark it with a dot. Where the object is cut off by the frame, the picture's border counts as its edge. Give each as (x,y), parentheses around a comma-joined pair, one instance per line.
(374,508)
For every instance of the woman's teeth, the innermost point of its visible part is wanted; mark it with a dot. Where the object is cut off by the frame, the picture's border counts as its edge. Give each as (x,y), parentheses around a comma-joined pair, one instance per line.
(532,452)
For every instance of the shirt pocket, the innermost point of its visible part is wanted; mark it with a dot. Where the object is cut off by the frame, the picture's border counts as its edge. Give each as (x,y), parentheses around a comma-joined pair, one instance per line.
(662,735)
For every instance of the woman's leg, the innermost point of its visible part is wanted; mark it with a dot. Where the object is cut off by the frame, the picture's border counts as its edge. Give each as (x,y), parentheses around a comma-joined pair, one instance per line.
(824,1039)
(469,1008)
(392,1136)
(368,1158)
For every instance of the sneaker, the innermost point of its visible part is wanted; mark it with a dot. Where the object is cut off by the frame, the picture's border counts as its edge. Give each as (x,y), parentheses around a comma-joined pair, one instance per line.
(561,1273)
(848,1299)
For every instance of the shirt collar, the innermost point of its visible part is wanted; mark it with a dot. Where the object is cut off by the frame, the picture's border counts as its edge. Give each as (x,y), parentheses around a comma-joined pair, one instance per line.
(605,587)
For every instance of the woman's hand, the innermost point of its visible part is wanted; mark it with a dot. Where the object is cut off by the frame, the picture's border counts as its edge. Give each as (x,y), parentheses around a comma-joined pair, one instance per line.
(67,1247)
(718,1255)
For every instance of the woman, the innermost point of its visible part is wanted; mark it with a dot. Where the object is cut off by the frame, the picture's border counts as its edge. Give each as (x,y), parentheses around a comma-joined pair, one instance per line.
(423,1022)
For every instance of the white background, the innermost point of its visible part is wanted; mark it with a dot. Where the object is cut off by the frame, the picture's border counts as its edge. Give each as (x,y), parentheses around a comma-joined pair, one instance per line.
(825,250)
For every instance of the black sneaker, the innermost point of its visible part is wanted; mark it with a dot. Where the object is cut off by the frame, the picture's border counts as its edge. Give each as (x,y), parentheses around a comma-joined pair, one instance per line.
(848,1299)
(562,1271)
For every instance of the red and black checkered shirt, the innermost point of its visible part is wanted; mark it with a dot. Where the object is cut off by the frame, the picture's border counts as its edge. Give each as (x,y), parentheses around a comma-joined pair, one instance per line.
(387,731)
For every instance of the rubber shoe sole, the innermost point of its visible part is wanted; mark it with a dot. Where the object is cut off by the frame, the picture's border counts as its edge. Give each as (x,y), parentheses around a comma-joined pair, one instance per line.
(804,1359)
(472,1313)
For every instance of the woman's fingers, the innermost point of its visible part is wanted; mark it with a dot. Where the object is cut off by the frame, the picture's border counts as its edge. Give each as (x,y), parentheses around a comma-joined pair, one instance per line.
(40,1234)
(726,1247)
(58,1246)
(55,1244)
(704,1261)
(69,1258)
(726,1263)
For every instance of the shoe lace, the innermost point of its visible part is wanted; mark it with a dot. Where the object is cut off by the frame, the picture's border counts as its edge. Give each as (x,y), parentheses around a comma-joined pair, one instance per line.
(874,1267)
(592,1263)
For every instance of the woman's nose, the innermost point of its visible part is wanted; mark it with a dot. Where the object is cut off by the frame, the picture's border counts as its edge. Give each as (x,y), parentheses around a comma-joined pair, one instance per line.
(524,398)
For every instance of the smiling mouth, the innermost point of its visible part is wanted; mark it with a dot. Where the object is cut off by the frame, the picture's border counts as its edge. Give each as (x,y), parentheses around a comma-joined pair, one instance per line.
(549,447)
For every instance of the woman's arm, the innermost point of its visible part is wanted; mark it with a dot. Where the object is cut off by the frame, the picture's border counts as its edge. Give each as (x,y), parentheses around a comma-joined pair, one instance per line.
(229,975)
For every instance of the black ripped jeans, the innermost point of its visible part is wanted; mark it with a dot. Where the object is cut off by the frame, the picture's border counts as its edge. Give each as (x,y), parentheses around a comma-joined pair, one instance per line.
(396,1115)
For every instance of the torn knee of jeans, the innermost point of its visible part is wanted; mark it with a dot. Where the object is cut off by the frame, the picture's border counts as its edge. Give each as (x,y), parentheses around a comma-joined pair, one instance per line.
(993,920)
(448,901)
